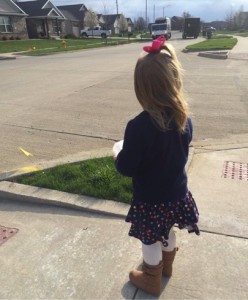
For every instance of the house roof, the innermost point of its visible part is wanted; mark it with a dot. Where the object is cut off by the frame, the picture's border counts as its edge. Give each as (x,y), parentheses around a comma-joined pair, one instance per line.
(110,19)
(177,18)
(74,12)
(8,7)
(41,9)
(129,21)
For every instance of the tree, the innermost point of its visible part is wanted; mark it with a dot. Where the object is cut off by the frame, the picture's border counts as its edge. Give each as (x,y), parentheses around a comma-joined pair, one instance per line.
(140,24)
(90,19)
(122,24)
(238,21)
(230,14)
(186,14)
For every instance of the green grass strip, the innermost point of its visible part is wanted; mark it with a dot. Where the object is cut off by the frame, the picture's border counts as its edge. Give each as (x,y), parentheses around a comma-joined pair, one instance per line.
(95,177)
(46,46)
(220,43)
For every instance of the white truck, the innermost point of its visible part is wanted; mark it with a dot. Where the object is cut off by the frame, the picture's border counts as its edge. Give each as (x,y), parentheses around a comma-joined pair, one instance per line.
(96,31)
(162,26)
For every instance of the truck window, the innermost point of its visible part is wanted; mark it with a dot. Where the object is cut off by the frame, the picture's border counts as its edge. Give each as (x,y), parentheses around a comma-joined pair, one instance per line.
(159,27)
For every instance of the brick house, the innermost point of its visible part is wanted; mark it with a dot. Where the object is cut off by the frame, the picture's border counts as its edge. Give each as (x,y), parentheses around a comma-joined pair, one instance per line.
(177,23)
(111,22)
(74,15)
(12,21)
(44,19)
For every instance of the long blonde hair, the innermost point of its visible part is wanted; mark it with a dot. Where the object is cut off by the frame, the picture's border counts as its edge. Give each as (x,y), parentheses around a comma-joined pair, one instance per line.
(158,88)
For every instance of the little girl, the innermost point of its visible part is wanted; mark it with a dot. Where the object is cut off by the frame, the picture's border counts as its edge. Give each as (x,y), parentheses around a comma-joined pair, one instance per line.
(155,152)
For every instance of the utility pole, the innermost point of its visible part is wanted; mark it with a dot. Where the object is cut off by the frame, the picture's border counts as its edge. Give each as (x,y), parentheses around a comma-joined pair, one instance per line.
(117,7)
(165,7)
(146,14)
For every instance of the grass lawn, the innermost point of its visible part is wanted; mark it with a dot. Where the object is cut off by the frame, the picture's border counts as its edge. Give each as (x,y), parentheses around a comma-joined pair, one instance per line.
(216,43)
(233,32)
(45,46)
(95,177)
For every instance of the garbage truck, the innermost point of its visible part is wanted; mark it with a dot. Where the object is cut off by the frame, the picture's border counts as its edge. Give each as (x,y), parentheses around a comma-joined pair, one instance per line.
(162,26)
(191,28)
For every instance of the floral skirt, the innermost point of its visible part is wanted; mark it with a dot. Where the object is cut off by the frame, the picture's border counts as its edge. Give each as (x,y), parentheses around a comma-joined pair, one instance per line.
(152,222)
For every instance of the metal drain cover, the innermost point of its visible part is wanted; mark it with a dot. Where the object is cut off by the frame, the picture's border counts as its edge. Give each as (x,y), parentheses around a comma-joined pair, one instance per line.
(6,233)
(235,170)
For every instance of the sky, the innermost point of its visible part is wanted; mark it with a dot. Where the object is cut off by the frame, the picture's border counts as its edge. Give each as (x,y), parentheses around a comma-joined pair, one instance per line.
(207,10)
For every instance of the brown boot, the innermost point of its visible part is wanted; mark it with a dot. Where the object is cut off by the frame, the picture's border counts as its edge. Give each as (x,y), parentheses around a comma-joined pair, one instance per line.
(149,279)
(168,258)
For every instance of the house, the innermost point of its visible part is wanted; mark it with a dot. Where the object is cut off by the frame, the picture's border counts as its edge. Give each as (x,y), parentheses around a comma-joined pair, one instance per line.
(74,15)
(177,23)
(44,19)
(110,22)
(244,20)
(12,21)
(130,25)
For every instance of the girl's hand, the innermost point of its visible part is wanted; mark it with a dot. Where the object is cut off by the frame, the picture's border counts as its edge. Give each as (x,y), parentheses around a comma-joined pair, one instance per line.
(117,148)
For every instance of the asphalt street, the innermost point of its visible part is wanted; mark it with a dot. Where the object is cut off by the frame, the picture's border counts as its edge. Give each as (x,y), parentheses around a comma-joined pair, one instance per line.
(61,105)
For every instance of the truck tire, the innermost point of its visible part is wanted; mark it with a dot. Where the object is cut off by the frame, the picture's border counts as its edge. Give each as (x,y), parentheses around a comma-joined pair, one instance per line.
(84,35)
(103,35)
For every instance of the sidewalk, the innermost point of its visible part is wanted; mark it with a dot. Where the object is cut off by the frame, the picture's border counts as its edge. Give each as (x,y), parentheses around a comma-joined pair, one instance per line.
(74,247)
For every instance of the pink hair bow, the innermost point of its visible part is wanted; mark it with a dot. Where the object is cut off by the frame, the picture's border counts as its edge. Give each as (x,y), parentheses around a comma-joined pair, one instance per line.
(156,45)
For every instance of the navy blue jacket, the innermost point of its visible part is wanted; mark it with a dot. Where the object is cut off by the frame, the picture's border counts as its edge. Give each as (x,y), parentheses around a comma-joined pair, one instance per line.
(155,160)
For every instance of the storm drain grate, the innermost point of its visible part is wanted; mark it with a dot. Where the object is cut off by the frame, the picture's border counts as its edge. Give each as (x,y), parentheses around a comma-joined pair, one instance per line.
(235,170)
(6,233)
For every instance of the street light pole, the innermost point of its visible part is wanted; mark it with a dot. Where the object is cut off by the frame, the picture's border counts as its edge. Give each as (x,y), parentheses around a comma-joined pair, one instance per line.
(165,7)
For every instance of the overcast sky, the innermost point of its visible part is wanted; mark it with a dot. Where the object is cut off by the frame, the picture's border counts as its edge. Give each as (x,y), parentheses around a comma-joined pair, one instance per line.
(207,10)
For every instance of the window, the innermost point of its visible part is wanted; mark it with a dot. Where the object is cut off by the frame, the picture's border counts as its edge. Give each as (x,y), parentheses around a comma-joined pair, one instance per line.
(159,27)
(5,24)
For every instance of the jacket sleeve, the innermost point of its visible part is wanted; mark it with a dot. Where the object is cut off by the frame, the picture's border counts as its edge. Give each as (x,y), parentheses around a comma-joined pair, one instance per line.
(129,158)
(190,130)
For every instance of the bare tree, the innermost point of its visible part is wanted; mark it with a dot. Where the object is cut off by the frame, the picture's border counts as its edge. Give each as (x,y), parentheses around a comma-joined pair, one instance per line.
(122,24)
(90,19)
(140,24)
(186,14)
(230,14)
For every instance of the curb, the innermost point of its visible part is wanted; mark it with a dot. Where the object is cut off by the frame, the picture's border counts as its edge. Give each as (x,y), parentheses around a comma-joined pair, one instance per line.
(23,193)
(214,54)
(210,54)
(7,57)
(53,163)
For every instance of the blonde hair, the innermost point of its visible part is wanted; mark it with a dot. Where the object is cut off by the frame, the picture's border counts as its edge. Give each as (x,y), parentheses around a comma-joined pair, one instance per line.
(158,88)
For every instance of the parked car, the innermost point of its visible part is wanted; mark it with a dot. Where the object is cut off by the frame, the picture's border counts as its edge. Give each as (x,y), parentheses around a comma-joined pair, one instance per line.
(96,31)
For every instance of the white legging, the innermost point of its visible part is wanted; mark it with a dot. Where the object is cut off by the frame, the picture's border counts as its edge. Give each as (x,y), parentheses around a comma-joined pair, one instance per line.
(152,254)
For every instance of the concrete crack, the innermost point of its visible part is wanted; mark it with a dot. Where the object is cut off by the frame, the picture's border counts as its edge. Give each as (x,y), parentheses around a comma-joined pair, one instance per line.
(62,132)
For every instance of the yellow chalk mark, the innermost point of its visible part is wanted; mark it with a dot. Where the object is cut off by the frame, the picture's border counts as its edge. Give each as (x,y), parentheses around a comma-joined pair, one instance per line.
(25,152)
(30,169)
